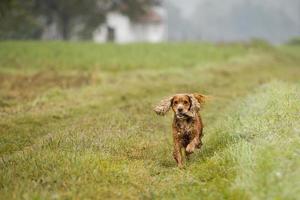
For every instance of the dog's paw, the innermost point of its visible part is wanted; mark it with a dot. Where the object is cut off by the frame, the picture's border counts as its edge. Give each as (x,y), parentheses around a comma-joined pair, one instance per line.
(181,166)
(190,148)
(199,145)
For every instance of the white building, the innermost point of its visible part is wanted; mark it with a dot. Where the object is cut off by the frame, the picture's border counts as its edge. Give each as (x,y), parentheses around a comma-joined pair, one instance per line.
(118,28)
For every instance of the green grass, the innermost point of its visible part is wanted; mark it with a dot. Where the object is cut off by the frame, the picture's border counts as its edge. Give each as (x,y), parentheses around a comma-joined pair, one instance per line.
(76,121)
(66,56)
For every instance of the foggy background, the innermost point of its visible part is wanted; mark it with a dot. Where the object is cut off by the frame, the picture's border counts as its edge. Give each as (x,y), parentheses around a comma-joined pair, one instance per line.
(229,20)
(124,21)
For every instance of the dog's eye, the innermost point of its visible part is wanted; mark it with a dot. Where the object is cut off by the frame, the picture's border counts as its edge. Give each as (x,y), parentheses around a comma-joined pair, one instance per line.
(185,102)
(175,102)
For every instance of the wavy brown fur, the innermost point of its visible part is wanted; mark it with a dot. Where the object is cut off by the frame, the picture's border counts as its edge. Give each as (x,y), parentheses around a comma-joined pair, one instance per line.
(187,124)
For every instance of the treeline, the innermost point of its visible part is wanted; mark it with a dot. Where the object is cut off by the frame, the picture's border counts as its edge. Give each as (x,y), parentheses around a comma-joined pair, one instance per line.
(29,19)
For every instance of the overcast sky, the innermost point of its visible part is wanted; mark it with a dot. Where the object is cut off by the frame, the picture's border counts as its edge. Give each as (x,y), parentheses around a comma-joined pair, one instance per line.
(227,20)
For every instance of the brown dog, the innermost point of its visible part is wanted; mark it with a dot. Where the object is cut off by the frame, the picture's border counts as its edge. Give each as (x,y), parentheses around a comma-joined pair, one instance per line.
(187,124)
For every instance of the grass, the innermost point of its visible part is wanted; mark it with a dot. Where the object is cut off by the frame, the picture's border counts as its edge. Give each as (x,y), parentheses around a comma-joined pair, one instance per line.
(77,121)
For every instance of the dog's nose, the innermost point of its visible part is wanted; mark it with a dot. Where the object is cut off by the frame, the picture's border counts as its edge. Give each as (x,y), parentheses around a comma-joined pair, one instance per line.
(180,109)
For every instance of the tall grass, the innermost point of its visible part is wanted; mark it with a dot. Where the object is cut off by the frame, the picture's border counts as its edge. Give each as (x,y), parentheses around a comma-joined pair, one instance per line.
(264,149)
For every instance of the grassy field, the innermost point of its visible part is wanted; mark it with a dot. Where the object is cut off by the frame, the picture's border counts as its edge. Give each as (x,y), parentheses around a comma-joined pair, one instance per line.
(76,121)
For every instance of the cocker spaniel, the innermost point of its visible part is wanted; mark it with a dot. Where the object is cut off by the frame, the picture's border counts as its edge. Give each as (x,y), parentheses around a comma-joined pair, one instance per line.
(187,124)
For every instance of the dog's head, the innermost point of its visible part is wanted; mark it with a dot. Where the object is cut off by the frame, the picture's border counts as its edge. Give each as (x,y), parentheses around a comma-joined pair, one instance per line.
(183,105)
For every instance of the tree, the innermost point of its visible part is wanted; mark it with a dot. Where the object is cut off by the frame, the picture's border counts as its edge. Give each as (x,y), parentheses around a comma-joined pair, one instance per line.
(88,13)
(68,13)
(82,16)
(4,5)
(17,20)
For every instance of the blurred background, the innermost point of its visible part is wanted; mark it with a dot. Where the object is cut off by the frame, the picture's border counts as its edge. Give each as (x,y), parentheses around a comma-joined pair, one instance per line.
(76,119)
(125,21)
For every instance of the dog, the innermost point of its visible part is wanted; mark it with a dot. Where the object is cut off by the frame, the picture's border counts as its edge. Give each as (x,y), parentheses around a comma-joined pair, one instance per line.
(187,123)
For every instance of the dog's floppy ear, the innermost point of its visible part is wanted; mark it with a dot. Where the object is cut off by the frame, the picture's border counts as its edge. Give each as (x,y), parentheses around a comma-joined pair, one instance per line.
(195,107)
(164,106)
(200,98)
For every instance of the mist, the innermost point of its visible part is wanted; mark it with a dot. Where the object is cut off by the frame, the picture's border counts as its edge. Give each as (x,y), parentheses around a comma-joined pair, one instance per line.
(233,20)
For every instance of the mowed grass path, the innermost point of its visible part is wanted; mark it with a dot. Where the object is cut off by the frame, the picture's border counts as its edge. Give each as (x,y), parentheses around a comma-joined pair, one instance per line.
(76,121)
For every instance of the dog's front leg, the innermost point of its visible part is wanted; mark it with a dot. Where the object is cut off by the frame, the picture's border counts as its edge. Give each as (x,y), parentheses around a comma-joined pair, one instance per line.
(177,152)
(191,147)
(178,155)
(195,143)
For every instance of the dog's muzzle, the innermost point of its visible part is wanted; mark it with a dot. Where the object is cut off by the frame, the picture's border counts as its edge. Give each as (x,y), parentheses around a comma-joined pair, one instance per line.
(184,115)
